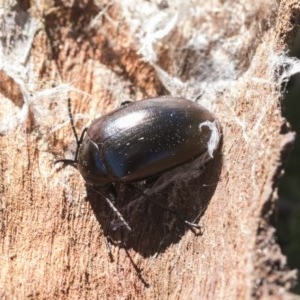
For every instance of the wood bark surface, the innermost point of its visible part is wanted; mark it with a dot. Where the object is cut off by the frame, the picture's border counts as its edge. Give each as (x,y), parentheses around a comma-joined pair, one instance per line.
(53,227)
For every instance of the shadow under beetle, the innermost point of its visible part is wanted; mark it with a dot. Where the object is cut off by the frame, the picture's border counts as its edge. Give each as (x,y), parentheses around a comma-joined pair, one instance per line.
(140,140)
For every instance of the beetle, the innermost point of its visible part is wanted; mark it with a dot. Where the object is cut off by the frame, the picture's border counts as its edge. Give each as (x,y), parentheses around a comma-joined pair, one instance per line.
(140,140)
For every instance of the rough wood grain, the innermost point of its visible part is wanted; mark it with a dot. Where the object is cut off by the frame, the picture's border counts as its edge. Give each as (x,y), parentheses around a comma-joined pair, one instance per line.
(52,239)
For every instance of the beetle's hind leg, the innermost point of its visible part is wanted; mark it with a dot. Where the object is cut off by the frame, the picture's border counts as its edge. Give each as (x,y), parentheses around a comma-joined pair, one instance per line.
(114,209)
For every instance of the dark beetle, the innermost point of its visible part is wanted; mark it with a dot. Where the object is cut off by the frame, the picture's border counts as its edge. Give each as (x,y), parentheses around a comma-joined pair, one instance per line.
(141,139)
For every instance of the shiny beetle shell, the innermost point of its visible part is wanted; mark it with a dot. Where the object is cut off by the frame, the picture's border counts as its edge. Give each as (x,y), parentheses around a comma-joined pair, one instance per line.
(142,139)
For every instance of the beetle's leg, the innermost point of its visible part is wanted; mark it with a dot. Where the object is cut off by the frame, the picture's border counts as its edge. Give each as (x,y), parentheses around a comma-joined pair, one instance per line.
(137,269)
(191,225)
(126,102)
(115,210)
(107,244)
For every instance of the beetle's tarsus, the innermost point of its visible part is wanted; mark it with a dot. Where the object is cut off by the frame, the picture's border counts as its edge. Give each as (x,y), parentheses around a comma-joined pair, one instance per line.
(126,102)
(192,224)
(67,162)
(108,249)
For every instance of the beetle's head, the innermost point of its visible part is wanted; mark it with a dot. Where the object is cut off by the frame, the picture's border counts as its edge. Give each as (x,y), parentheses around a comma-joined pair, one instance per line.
(87,157)
(88,161)
(90,164)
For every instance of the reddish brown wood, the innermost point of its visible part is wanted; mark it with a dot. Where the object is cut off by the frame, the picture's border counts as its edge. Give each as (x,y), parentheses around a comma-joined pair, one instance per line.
(52,239)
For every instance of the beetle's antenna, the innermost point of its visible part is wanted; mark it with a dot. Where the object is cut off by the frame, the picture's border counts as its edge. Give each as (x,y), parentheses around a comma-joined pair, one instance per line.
(73,162)
(79,142)
(72,120)
(115,210)
(191,225)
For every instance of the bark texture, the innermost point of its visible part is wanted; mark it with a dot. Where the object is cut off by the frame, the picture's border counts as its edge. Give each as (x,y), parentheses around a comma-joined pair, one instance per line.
(100,53)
